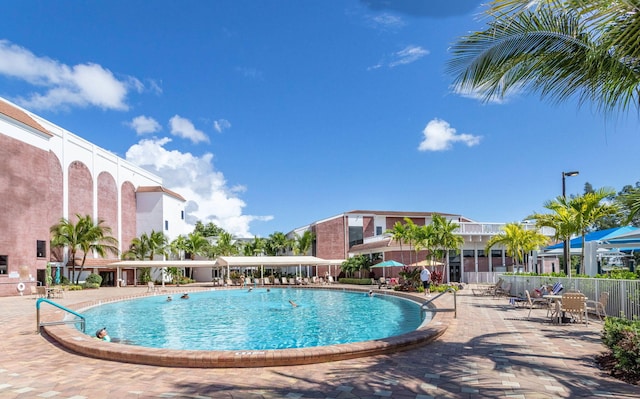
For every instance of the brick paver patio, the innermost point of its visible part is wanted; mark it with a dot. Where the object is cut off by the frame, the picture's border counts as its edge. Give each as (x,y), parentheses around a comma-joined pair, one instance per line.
(489,351)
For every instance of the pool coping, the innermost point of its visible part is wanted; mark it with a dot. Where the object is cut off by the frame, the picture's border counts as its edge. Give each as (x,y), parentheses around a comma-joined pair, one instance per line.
(74,340)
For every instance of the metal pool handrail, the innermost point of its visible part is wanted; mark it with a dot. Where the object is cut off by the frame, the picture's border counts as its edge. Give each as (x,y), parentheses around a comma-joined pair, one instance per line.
(82,321)
(455,306)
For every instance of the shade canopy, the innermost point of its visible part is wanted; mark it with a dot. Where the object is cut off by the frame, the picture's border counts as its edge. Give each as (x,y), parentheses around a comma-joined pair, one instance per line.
(387,263)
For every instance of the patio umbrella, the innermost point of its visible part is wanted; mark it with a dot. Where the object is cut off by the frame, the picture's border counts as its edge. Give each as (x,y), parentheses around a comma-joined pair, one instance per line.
(385,264)
(57,275)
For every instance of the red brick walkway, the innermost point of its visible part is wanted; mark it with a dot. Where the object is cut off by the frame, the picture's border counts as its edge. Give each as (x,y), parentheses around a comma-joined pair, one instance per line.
(489,351)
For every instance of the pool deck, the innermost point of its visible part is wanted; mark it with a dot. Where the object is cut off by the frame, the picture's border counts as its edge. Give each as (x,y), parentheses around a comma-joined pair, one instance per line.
(490,350)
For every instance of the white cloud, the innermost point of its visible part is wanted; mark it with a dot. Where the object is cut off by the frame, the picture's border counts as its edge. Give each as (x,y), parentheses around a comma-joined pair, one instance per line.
(499,96)
(183,127)
(209,197)
(408,55)
(439,136)
(144,124)
(62,85)
(405,56)
(386,21)
(221,124)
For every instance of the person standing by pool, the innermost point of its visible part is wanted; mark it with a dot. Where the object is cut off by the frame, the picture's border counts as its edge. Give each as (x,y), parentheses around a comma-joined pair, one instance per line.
(425,277)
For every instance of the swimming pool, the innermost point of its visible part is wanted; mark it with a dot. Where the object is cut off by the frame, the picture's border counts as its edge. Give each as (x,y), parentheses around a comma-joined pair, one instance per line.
(257,319)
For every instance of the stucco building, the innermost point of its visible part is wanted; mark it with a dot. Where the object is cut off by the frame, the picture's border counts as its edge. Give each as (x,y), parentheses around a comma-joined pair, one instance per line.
(48,173)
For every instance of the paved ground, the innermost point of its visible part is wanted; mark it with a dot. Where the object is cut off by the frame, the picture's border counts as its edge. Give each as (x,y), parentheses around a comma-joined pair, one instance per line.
(490,351)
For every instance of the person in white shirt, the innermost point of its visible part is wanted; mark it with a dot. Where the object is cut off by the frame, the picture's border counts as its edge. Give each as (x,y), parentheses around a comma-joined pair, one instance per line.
(425,277)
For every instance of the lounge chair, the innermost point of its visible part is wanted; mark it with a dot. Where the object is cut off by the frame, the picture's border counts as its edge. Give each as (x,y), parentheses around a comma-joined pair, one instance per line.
(599,307)
(382,283)
(488,290)
(151,287)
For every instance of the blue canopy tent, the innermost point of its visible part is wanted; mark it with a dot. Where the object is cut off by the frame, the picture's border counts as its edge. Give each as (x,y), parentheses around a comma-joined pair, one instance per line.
(600,243)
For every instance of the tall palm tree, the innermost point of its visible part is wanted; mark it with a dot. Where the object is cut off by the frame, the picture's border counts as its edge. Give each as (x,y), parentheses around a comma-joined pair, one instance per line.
(517,241)
(412,233)
(559,48)
(445,239)
(86,236)
(631,202)
(588,209)
(302,243)
(399,234)
(178,246)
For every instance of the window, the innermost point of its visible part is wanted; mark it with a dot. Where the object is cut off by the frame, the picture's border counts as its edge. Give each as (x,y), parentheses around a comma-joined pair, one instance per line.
(355,235)
(496,253)
(41,248)
(468,253)
(378,230)
(4,264)
(182,215)
(166,225)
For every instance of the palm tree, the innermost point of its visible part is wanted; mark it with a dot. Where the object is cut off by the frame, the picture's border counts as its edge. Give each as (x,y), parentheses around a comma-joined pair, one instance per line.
(399,234)
(178,246)
(631,202)
(412,234)
(277,243)
(517,241)
(575,215)
(302,243)
(195,244)
(226,245)
(85,236)
(255,247)
(157,244)
(588,209)
(445,239)
(560,48)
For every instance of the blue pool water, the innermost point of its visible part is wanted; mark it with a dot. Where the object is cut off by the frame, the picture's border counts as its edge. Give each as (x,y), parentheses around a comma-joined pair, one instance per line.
(243,320)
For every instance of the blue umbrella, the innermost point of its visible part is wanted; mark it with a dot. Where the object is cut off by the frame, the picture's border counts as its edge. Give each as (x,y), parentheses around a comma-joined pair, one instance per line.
(385,264)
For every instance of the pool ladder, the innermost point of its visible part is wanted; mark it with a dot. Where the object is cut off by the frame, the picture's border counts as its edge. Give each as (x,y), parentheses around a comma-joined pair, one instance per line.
(82,321)
(425,305)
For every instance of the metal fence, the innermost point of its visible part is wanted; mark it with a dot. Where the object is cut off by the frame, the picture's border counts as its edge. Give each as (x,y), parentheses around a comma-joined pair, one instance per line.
(624,295)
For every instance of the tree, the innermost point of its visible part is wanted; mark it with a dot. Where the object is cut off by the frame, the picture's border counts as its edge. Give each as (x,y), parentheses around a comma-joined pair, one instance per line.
(195,245)
(277,243)
(302,243)
(559,48)
(226,245)
(208,230)
(629,201)
(399,233)
(444,238)
(517,241)
(255,247)
(85,236)
(588,209)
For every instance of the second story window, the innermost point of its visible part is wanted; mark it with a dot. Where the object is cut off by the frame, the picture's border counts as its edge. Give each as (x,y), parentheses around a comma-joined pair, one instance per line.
(166,225)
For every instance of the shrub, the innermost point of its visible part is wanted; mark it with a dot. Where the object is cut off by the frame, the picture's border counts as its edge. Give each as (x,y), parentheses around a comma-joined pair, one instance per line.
(90,285)
(74,288)
(93,279)
(622,337)
(358,281)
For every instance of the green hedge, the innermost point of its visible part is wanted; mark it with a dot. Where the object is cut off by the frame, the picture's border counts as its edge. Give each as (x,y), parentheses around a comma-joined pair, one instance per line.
(357,281)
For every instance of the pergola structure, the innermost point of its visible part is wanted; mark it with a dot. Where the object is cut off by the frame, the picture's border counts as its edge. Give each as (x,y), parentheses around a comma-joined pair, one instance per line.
(309,263)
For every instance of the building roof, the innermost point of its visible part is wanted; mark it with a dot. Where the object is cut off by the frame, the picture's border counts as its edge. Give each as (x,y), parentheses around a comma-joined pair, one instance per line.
(600,235)
(160,189)
(19,115)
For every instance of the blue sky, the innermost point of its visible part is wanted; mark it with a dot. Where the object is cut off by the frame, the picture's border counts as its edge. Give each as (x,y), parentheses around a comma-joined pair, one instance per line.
(269,115)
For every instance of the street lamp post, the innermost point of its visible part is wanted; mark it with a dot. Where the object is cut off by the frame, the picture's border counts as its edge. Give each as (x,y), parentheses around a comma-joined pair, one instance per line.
(567,242)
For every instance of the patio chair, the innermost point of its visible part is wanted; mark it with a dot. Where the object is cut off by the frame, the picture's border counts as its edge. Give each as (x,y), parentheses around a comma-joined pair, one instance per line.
(34,291)
(532,302)
(575,304)
(557,287)
(382,282)
(599,307)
